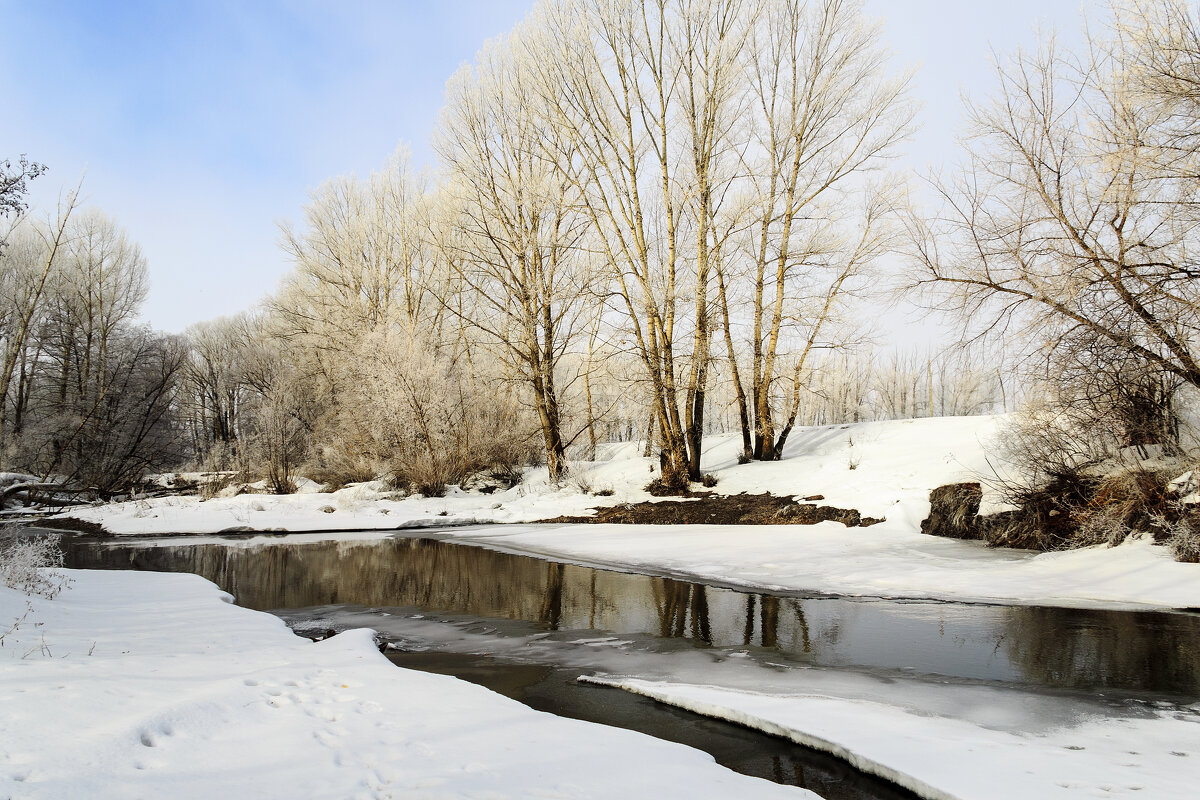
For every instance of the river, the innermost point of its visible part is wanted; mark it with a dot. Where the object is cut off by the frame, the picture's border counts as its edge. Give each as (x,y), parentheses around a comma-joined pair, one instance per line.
(528,627)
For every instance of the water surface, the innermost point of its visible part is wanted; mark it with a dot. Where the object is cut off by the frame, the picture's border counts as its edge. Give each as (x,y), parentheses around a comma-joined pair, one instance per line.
(1126,651)
(528,627)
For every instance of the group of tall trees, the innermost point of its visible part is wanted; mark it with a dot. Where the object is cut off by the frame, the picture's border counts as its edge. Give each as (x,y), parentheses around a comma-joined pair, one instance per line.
(691,175)
(650,219)
(89,395)
(636,204)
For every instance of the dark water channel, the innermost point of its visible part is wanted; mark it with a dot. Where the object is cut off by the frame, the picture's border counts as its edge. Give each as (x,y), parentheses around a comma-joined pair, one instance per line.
(527,628)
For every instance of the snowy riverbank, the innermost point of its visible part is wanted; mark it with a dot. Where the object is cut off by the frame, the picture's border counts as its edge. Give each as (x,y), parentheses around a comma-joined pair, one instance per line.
(158,686)
(981,752)
(153,685)
(227,701)
(880,561)
(883,469)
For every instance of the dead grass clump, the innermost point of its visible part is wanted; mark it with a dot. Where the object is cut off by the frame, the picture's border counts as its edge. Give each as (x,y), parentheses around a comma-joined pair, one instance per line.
(1075,509)
(666,487)
(213,485)
(1105,525)
(343,462)
(1183,537)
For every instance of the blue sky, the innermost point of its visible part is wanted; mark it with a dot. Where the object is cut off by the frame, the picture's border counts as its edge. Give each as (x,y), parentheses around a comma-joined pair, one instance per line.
(201,125)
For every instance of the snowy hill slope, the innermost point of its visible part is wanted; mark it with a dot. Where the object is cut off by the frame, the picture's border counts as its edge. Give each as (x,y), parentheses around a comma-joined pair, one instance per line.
(884,469)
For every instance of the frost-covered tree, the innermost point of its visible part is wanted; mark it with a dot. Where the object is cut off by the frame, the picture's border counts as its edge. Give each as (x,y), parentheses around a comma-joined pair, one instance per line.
(14,183)
(217,387)
(91,397)
(360,260)
(827,111)
(28,269)
(518,234)
(644,96)
(1073,219)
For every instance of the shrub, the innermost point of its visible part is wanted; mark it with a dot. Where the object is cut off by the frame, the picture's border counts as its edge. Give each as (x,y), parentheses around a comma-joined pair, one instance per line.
(27,564)
(333,477)
(666,487)
(1079,485)
(1183,537)
(1102,526)
(580,478)
(412,412)
(212,485)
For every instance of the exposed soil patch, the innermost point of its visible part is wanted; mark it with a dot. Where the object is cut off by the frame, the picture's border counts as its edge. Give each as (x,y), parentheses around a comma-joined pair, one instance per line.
(738,509)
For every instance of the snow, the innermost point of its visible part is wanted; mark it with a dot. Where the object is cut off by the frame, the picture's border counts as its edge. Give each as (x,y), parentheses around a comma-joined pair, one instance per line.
(227,701)
(153,685)
(896,464)
(881,561)
(884,469)
(1143,753)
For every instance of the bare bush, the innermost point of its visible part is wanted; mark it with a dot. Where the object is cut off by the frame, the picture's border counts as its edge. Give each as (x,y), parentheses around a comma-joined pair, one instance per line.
(1104,525)
(1082,488)
(411,411)
(1048,442)
(27,564)
(1183,537)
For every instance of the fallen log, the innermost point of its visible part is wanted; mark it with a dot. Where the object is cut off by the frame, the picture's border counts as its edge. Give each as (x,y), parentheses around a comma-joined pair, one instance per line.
(30,489)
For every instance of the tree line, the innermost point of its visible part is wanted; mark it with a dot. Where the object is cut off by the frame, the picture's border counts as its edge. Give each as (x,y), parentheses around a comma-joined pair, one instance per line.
(650,220)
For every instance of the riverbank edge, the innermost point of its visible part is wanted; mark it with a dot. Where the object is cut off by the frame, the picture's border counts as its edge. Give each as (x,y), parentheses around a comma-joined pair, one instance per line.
(1094,575)
(152,674)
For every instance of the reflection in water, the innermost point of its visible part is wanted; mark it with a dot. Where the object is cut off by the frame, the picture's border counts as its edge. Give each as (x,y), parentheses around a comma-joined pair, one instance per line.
(1088,647)
(682,610)
(1136,651)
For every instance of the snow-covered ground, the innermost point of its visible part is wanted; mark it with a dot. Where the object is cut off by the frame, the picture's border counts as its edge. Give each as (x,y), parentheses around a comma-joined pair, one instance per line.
(883,561)
(975,754)
(884,469)
(227,701)
(133,685)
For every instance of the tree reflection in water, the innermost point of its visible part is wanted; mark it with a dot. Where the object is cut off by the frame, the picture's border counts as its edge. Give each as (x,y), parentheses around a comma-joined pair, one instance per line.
(1044,646)
(1096,649)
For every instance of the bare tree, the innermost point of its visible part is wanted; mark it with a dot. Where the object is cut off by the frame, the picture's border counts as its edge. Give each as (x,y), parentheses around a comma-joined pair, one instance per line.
(827,111)
(282,405)
(955,382)
(415,414)
(25,275)
(517,231)
(642,93)
(364,262)
(360,260)
(81,416)
(14,182)
(100,287)
(112,440)
(1161,49)
(217,386)
(1071,221)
